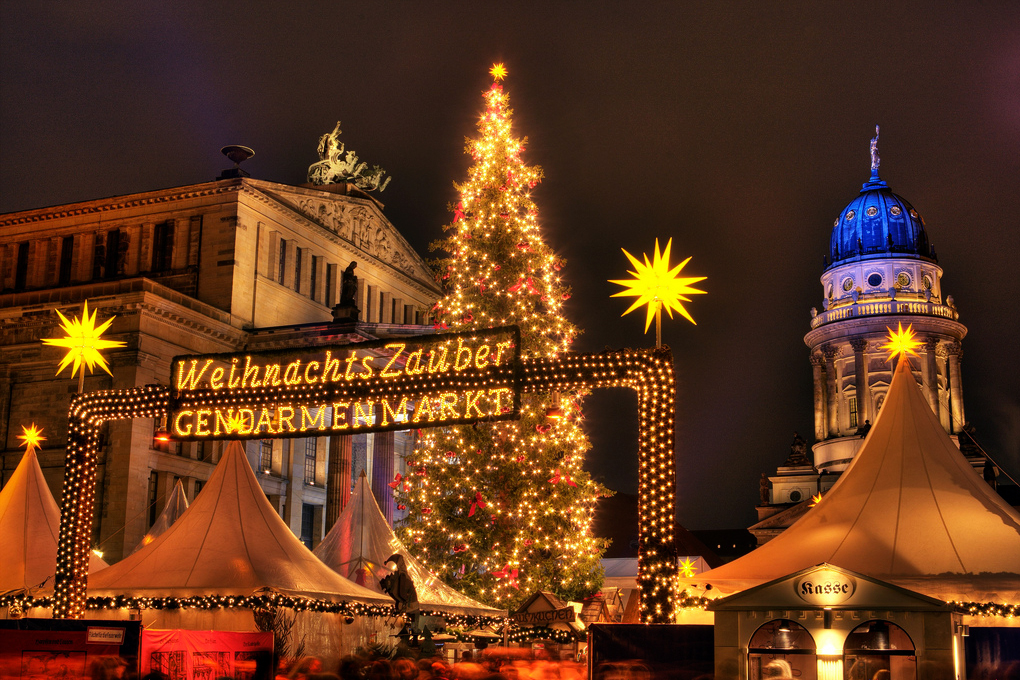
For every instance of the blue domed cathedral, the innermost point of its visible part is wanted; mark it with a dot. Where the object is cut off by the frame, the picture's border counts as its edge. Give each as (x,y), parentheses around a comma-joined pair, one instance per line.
(881,271)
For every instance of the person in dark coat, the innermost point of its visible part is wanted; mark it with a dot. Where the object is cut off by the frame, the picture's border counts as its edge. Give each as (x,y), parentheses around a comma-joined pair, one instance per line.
(398,584)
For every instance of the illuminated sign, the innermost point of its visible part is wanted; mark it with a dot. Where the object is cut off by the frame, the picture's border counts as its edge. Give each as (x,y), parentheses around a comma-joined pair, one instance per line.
(420,381)
(825,587)
(562,615)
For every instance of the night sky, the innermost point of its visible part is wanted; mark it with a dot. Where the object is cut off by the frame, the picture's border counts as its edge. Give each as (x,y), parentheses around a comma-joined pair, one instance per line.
(738,129)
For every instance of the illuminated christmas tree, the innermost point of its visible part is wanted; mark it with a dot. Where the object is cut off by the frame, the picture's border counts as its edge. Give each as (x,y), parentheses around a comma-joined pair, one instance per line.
(499,510)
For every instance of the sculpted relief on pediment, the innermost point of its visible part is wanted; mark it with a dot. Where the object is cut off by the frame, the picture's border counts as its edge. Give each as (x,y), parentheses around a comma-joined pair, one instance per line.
(361,227)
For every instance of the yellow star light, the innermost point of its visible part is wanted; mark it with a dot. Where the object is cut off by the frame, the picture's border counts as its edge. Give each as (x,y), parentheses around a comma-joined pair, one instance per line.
(901,342)
(655,284)
(687,568)
(816,499)
(83,342)
(498,71)
(32,437)
(235,422)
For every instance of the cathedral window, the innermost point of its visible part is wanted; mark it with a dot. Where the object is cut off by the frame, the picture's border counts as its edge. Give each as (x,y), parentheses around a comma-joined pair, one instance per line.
(311,458)
(112,253)
(313,273)
(266,456)
(21,267)
(163,247)
(282,268)
(66,255)
(852,405)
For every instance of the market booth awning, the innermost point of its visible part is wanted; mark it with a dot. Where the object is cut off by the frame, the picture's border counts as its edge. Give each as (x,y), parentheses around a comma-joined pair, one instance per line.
(230,541)
(29,528)
(909,510)
(360,542)
(175,506)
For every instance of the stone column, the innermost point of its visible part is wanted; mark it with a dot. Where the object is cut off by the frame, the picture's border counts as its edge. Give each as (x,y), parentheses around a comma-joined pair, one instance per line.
(861,379)
(832,390)
(930,373)
(955,352)
(819,396)
(382,473)
(338,478)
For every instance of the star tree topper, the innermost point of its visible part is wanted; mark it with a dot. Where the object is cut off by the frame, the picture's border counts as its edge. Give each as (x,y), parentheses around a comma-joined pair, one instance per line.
(657,285)
(83,343)
(498,71)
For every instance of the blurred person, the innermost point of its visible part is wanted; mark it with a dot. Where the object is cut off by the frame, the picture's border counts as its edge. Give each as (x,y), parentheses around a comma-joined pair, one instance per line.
(379,670)
(107,668)
(404,669)
(350,668)
(778,669)
(304,667)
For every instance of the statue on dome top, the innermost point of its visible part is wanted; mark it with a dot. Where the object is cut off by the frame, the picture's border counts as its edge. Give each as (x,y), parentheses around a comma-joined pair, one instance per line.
(875,160)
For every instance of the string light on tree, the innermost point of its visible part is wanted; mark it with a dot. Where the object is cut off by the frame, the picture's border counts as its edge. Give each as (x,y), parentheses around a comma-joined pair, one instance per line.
(657,285)
(485,513)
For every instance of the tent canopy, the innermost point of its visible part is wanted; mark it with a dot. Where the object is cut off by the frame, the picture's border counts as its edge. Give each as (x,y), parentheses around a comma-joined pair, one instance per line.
(361,540)
(229,542)
(909,509)
(29,528)
(176,504)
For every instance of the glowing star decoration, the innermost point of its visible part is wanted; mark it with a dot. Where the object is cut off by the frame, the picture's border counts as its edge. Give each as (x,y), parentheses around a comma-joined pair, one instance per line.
(31,437)
(687,568)
(901,342)
(816,499)
(83,343)
(657,285)
(235,423)
(498,71)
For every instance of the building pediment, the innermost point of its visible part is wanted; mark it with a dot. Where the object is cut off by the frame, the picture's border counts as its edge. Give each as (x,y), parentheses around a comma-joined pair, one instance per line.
(356,221)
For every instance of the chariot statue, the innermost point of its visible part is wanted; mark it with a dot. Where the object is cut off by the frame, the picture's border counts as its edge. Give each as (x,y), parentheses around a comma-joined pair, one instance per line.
(335,165)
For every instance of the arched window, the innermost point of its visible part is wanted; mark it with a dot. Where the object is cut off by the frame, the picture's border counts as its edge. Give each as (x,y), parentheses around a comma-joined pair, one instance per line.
(879,650)
(781,649)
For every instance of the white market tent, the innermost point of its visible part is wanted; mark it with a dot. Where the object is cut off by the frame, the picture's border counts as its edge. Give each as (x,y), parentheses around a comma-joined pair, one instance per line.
(909,510)
(176,504)
(229,542)
(361,540)
(29,529)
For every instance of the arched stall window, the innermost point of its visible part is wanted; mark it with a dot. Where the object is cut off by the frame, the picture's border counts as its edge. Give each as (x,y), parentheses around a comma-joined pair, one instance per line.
(879,650)
(781,649)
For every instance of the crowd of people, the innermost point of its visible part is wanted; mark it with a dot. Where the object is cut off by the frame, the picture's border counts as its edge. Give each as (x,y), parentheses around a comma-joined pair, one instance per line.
(484,666)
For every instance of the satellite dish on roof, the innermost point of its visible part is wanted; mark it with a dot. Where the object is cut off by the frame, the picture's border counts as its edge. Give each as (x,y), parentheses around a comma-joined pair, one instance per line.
(238,154)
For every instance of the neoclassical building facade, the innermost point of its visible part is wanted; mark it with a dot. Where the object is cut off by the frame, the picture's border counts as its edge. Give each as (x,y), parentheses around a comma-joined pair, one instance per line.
(881,272)
(236,264)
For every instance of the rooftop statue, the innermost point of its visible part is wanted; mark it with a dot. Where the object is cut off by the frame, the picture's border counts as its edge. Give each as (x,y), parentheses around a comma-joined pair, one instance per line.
(336,166)
(875,160)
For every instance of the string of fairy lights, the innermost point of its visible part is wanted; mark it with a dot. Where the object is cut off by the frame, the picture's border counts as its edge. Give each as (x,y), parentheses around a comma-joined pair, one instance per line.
(649,372)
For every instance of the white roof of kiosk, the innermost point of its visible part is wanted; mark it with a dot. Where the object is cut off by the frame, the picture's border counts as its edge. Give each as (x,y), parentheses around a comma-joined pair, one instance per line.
(29,527)
(909,510)
(361,540)
(229,542)
(825,586)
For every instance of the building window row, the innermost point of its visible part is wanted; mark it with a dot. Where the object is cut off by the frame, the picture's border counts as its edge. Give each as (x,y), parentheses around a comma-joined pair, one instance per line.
(308,274)
(144,249)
